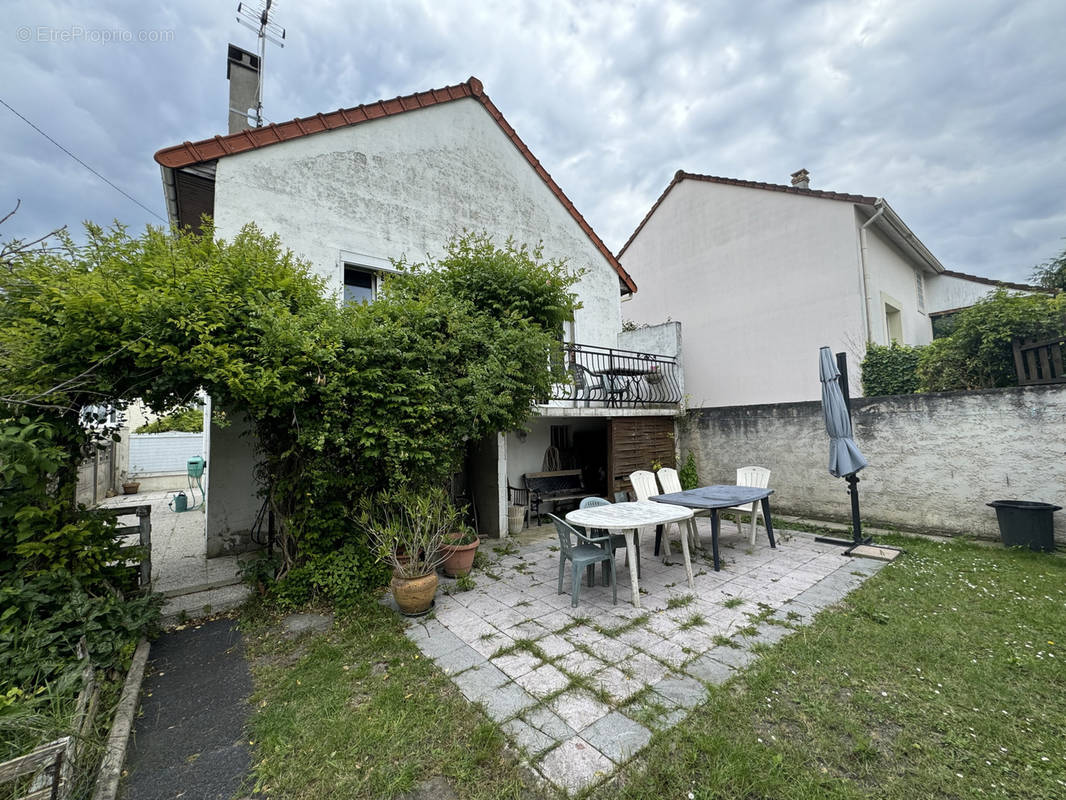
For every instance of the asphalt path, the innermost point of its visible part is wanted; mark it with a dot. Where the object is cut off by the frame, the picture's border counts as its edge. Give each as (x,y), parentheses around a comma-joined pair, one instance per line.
(189,740)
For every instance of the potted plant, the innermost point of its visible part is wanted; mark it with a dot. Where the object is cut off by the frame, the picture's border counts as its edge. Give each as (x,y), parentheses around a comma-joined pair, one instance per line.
(407,530)
(654,375)
(458,549)
(130,484)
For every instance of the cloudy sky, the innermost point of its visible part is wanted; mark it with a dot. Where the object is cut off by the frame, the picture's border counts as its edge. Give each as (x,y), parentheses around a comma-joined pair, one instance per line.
(953,110)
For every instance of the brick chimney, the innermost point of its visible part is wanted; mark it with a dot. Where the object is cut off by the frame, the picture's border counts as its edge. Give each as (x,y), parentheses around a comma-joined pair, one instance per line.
(242,72)
(801,179)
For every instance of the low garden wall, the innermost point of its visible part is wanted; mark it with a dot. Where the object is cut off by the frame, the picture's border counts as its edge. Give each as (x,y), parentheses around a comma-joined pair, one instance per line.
(935,459)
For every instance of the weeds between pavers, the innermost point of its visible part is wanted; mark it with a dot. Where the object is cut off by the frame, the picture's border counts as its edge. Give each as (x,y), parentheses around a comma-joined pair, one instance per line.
(936,678)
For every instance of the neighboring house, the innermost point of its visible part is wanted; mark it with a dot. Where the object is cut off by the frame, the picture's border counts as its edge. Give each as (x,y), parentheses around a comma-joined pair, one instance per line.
(951,292)
(350,190)
(761,275)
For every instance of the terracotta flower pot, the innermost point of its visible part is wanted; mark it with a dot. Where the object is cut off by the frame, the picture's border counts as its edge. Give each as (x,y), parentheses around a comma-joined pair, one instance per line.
(414,595)
(131,487)
(460,558)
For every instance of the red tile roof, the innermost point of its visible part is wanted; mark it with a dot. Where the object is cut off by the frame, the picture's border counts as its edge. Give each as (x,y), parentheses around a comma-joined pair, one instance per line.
(681,175)
(189,153)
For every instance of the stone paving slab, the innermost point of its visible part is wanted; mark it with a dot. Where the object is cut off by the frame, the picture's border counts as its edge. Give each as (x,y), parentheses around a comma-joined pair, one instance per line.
(614,673)
(575,764)
(617,736)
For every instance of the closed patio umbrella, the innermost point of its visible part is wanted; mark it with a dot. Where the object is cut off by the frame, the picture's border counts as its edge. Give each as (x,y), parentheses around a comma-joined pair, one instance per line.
(844,455)
(845,460)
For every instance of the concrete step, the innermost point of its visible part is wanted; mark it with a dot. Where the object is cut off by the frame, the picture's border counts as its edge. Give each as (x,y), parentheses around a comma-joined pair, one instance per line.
(204,603)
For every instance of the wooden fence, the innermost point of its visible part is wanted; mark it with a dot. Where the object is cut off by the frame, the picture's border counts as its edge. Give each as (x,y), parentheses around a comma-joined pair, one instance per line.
(136,550)
(1039,361)
(49,769)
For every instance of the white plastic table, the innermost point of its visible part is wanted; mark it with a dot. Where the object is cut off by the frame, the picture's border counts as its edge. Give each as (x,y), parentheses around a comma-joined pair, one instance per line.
(628,518)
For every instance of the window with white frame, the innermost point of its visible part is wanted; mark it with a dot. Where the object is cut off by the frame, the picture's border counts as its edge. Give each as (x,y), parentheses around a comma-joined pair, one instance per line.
(360,284)
(361,275)
(919,285)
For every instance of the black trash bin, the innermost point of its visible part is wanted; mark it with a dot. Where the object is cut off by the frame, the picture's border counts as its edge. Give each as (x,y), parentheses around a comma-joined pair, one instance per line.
(1023,523)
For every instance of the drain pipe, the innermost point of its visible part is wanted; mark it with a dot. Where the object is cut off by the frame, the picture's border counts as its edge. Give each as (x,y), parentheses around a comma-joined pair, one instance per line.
(864,276)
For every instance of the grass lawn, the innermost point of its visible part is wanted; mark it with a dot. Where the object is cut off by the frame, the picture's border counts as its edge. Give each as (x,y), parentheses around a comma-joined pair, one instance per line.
(942,677)
(360,713)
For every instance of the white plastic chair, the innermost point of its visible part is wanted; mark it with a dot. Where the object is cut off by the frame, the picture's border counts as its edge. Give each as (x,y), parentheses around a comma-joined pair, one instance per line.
(644,487)
(759,477)
(670,481)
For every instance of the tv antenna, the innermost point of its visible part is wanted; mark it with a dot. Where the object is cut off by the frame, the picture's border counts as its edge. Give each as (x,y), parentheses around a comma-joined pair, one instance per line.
(257,19)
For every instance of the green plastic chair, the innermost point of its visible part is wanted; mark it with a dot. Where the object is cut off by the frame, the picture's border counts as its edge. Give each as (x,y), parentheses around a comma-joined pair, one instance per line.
(618,540)
(586,554)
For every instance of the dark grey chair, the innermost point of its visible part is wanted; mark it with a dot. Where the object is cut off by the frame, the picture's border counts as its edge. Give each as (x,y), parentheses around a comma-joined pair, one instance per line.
(585,554)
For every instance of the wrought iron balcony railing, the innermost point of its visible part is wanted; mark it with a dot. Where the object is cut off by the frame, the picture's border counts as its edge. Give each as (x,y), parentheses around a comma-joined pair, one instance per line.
(605,377)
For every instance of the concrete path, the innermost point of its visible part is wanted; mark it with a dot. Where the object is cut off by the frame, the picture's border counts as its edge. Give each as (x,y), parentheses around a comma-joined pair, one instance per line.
(193,583)
(581,690)
(189,740)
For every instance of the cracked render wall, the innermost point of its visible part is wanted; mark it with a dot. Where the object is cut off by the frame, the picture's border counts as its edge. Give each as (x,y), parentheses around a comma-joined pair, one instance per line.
(935,459)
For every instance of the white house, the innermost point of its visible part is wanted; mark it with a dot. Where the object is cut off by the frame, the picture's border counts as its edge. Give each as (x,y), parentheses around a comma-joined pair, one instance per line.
(352,189)
(761,275)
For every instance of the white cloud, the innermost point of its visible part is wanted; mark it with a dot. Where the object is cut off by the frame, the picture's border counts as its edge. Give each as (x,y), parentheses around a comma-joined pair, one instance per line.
(952,110)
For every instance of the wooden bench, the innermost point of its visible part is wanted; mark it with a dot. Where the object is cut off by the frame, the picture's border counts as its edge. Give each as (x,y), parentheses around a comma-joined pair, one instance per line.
(559,486)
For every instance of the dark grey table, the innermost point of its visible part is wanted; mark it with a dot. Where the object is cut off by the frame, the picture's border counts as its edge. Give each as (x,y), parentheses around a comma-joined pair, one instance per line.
(715,498)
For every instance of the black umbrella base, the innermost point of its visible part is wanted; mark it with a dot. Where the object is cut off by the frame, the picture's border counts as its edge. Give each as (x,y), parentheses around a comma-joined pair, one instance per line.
(862,547)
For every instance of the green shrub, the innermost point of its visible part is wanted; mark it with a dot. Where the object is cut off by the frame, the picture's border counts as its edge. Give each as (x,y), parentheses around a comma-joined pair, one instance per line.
(978,354)
(344,400)
(688,474)
(890,370)
(340,578)
(45,615)
(188,420)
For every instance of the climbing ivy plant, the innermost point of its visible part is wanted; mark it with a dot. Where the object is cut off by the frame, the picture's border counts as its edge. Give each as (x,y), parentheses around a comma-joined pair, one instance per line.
(343,400)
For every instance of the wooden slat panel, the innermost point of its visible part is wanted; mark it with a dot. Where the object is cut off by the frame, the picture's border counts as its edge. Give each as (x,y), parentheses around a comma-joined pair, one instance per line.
(34,760)
(1030,366)
(1038,362)
(1045,364)
(636,443)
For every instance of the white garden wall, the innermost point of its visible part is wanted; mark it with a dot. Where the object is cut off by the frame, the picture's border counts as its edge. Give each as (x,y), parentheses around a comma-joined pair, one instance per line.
(163,453)
(935,459)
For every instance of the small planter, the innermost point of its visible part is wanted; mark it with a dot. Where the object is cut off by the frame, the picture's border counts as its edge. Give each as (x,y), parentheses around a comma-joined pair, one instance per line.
(654,377)
(459,558)
(131,487)
(1026,524)
(414,596)
(516,518)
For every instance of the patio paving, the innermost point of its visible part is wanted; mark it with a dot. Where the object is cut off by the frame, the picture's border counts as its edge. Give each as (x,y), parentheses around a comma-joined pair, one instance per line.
(581,690)
(181,570)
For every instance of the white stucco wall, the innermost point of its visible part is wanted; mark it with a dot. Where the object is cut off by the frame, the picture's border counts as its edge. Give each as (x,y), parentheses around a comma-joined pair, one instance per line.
(946,292)
(759,280)
(892,278)
(232,498)
(395,187)
(403,186)
(935,459)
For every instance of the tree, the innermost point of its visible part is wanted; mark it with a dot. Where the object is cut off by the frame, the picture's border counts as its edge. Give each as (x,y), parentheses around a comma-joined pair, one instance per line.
(1052,273)
(344,400)
(978,354)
